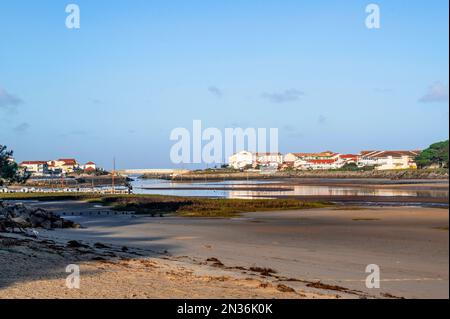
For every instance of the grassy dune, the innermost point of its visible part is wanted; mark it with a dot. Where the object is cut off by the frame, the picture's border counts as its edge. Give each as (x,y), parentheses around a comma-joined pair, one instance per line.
(183,206)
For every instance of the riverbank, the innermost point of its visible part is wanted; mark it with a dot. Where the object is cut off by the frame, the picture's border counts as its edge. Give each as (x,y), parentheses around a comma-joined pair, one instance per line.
(183,206)
(221,175)
(363,190)
(319,253)
(232,198)
(76,181)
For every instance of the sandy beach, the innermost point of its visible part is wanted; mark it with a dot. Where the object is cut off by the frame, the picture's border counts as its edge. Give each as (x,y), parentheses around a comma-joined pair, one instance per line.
(38,271)
(319,253)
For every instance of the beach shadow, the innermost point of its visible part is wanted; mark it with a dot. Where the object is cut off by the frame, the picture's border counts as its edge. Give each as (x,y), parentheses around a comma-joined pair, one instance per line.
(24,259)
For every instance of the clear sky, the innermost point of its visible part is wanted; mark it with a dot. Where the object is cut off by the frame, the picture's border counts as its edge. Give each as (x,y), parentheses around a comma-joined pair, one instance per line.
(135,70)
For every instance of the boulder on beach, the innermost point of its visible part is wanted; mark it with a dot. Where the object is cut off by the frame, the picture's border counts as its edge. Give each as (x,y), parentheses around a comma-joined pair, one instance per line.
(16,216)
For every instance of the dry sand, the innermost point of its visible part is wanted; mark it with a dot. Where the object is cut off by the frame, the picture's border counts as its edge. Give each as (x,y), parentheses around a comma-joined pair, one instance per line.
(36,269)
(174,257)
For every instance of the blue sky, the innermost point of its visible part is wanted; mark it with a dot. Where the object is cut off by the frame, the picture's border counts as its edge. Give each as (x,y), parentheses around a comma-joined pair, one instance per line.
(135,70)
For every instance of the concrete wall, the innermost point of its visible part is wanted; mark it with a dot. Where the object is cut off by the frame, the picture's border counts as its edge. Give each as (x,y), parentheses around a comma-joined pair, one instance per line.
(153,171)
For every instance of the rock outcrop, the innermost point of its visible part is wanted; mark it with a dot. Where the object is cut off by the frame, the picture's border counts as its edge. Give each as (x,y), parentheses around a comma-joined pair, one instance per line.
(19,217)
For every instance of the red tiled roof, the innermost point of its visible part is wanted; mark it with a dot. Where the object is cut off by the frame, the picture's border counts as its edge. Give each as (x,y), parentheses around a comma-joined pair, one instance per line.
(324,161)
(348,156)
(267,154)
(90,163)
(68,161)
(321,154)
(89,169)
(33,162)
(381,154)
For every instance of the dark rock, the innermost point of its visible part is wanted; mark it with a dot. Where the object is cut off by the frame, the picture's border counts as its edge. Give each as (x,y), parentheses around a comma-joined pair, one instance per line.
(100,246)
(18,216)
(76,244)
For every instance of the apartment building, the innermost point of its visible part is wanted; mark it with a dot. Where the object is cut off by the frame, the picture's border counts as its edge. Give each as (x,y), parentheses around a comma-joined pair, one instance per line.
(63,165)
(241,160)
(36,168)
(388,160)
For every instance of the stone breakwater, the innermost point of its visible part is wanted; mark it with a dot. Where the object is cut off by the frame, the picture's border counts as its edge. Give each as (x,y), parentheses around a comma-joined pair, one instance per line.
(391,174)
(19,217)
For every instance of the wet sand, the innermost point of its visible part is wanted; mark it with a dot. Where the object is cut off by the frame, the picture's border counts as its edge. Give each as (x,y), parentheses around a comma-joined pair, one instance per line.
(333,246)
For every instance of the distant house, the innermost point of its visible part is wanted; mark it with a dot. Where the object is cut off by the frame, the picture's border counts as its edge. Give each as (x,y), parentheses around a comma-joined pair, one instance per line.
(35,168)
(322,160)
(90,167)
(65,165)
(301,164)
(268,159)
(244,159)
(290,158)
(241,160)
(348,158)
(327,155)
(385,160)
(324,164)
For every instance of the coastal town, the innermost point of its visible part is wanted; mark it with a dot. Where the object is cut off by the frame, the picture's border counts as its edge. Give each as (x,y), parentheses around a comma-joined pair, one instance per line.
(245,160)
(327,160)
(57,167)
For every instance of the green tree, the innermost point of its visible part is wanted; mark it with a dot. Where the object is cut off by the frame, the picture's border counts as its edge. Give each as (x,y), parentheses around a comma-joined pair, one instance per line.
(436,154)
(9,170)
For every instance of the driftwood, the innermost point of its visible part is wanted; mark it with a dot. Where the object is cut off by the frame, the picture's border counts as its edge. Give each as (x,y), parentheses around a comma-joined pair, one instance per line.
(19,217)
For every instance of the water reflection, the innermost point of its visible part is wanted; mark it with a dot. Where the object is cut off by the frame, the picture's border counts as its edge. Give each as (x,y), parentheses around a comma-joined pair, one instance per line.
(240,189)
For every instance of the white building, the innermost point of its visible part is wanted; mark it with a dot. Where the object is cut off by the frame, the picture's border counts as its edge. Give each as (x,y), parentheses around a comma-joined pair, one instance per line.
(323,160)
(241,160)
(35,168)
(65,165)
(245,159)
(292,157)
(348,158)
(268,159)
(325,164)
(90,167)
(385,160)
(300,164)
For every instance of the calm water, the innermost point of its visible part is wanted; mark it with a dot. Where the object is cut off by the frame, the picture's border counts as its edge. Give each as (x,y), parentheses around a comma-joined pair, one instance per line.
(164,187)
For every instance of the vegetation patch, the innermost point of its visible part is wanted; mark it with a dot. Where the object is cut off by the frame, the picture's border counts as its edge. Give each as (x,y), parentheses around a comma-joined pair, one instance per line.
(284,288)
(350,208)
(441,228)
(263,271)
(182,206)
(436,155)
(320,285)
